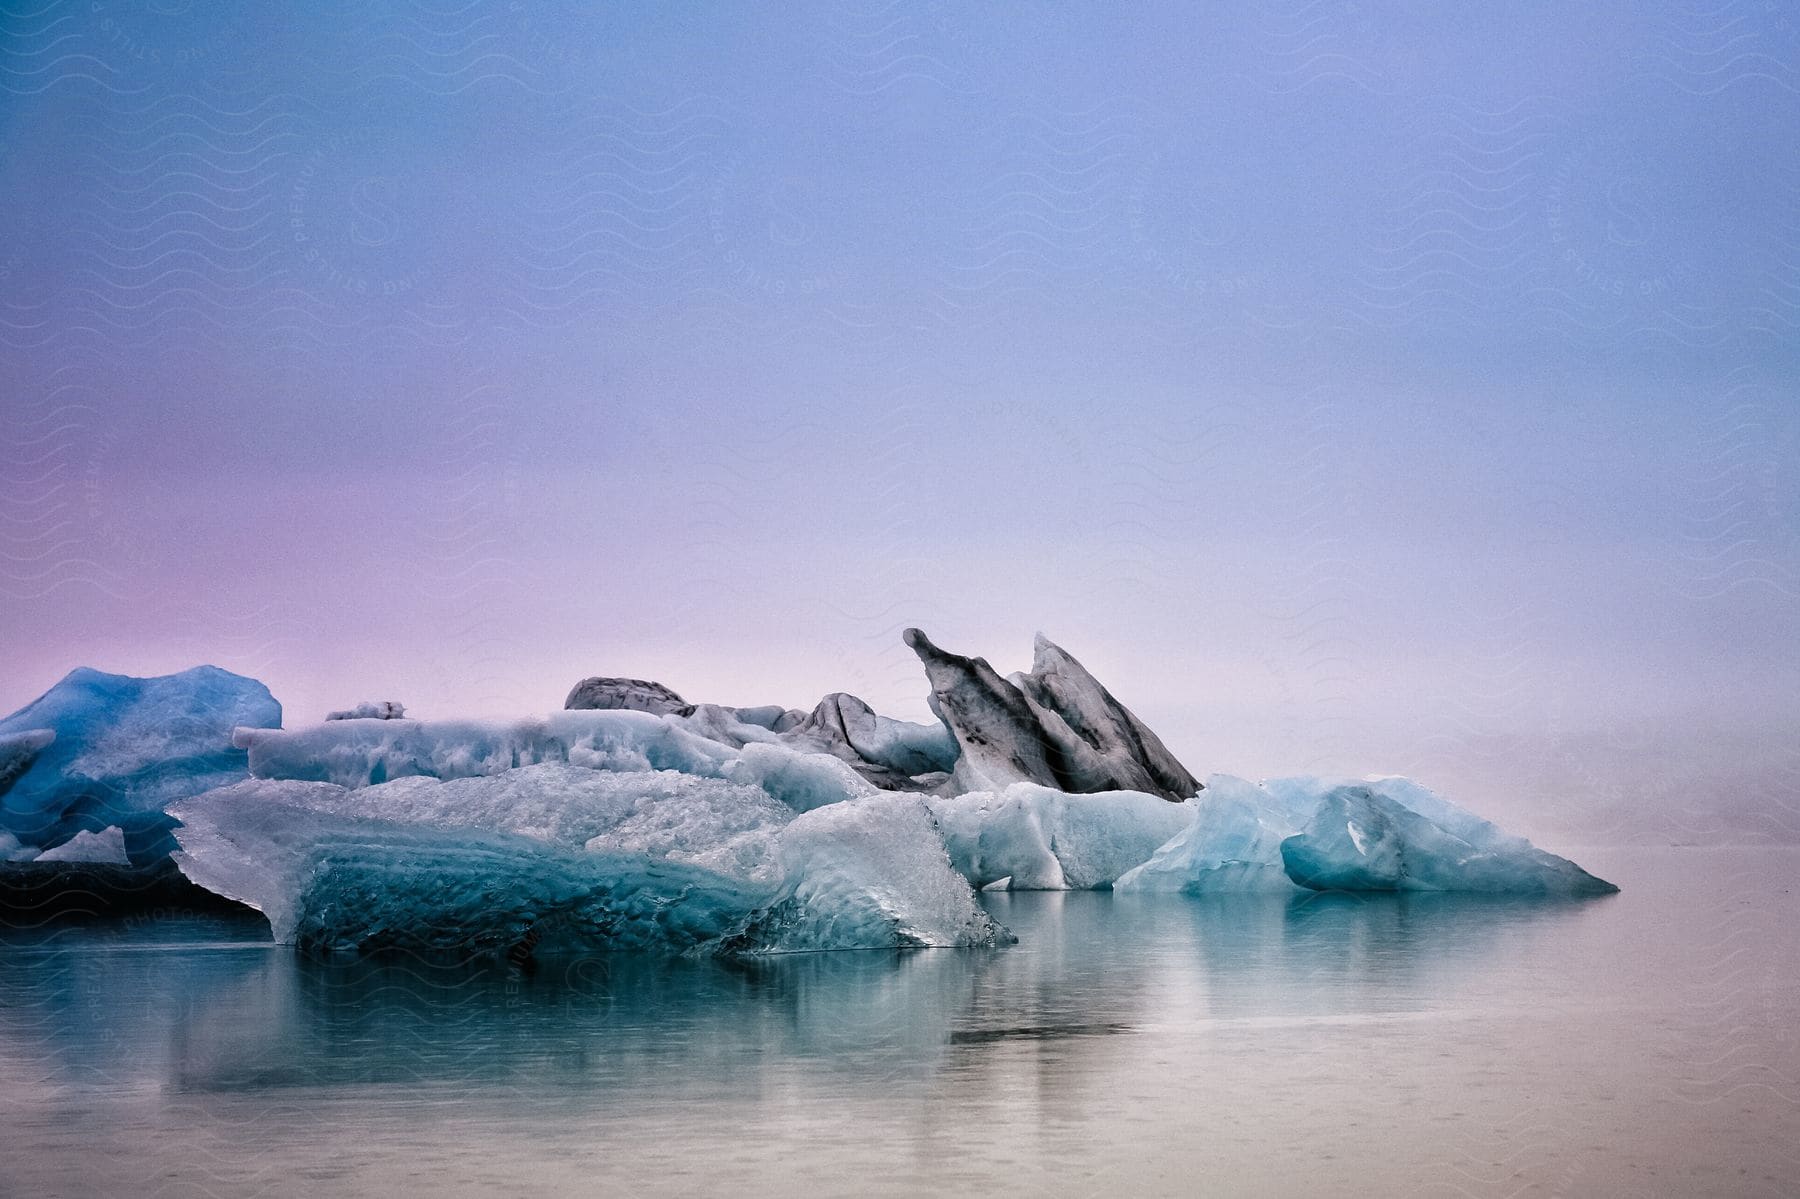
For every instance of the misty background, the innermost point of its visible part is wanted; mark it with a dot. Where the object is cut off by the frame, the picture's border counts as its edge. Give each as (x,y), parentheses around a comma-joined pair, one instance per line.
(1353,388)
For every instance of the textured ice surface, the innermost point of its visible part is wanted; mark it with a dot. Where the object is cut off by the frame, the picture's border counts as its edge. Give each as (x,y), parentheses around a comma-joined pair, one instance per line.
(1302,794)
(892,754)
(1233,843)
(1361,840)
(361,753)
(621,859)
(1048,840)
(385,709)
(122,748)
(107,846)
(1056,726)
(633,695)
(366,753)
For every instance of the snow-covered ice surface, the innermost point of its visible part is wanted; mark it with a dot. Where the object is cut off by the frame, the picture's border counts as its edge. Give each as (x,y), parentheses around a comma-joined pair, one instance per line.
(99,749)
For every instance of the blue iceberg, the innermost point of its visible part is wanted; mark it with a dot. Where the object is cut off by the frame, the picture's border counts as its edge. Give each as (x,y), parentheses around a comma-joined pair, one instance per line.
(103,750)
(1362,840)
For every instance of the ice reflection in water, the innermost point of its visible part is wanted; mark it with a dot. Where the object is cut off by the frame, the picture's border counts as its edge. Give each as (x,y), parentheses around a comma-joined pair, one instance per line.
(1126,1040)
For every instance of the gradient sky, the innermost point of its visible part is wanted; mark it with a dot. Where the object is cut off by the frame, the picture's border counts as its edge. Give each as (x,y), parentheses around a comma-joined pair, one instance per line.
(1353,387)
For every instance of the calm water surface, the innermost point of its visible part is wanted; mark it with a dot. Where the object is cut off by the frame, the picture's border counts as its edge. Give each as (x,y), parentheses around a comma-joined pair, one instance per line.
(1643,1044)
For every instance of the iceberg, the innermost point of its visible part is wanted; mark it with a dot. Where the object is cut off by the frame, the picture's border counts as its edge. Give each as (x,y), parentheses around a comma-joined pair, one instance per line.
(99,750)
(563,856)
(632,818)
(1362,840)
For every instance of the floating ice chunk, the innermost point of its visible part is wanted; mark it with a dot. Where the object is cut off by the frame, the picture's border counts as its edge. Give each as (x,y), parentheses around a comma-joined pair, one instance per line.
(576,857)
(1363,841)
(107,845)
(1233,844)
(1049,840)
(121,748)
(386,709)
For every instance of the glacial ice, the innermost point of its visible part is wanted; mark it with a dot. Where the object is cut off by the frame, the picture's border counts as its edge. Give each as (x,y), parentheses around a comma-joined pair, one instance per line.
(577,856)
(1054,725)
(99,750)
(362,753)
(631,695)
(368,753)
(635,819)
(895,755)
(1362,840)
(1049,840)
(1232,844)
(107,845)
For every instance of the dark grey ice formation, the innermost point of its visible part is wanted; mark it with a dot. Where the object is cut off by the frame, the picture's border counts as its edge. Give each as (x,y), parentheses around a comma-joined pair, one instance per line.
(1106,747)
(895,755)
(1055,725)
(632,695)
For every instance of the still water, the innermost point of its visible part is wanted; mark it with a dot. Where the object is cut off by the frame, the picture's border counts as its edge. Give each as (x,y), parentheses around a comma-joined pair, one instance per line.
(1643,1044)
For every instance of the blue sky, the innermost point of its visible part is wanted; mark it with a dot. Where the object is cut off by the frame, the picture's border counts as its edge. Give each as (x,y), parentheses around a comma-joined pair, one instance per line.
(1353,387)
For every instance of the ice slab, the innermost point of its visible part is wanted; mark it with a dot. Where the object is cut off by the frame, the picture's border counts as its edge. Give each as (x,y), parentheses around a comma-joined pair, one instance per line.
(578,857)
